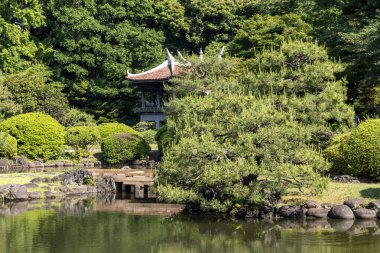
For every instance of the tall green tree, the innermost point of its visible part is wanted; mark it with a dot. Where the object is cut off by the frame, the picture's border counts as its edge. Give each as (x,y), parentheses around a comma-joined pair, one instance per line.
(18,49)
(240,133)
(262,31)
(95,43)
(34,90)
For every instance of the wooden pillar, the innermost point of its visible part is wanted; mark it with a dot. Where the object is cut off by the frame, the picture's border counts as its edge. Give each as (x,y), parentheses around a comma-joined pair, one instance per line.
(139,191)
(158,98)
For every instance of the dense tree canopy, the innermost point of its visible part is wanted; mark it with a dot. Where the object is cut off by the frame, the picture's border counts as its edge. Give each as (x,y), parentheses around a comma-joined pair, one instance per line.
(242,138)
(89,45)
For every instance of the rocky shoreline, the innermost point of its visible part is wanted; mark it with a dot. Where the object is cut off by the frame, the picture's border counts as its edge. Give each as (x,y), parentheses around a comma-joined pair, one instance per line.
(351,209)
(22,164)
(75,182)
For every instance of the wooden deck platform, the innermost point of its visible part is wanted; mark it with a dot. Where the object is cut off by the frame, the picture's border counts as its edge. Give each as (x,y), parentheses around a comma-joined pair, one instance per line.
(133,180)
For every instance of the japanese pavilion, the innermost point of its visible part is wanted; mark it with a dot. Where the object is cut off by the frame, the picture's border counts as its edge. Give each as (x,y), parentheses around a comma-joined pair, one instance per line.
(151,84)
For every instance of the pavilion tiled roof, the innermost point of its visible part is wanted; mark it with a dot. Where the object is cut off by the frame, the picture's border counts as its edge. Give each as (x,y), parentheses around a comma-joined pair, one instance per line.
(163,72)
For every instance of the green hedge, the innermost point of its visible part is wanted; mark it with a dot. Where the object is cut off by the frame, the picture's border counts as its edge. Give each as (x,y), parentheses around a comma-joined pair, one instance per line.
(81,137)
(121,143)
(38,135)
(334,153)
(8,146)
(361,150)
(357,153)
(109,129)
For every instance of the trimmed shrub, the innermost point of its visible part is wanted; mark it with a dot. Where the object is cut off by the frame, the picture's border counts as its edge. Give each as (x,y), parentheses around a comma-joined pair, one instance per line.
(109,129)
(334,153)
(149,136)
(8,146)
(38,135)
(81,138)
(121,143)
(123,147)
(361,150)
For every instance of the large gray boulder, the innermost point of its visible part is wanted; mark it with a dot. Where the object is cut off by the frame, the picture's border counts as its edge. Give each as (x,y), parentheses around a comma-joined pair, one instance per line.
(291,211)
(354,203)
(312,204)
(364,213)
(17,192)
(75,177)
(36,164)
(374,204)
(341,212)
(105,185)
(317,212)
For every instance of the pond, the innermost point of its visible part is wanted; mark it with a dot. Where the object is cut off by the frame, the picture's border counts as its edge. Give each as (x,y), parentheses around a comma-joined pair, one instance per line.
(108,224)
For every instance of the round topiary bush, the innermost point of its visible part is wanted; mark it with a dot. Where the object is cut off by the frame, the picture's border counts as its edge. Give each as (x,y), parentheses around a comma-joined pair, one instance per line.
(109,129)
(361,150)
(82,138)
(334,153)
(121,143)
(8,146)
(38,135)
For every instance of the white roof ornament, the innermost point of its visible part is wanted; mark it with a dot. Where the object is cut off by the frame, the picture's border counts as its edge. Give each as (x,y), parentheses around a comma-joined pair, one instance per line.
(221,53)
(187,63)
(170,60)
(201,55)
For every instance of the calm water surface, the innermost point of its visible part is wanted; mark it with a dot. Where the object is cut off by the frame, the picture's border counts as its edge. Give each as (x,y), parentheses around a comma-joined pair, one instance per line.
(94,225)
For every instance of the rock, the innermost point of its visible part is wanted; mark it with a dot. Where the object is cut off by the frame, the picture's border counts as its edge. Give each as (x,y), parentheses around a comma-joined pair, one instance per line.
(326,205)
(291,211)
(341,212)
(97,163)
(374,204)
(75,177)
(105,185)
(34,195)
(49,195)
(345,179)
(241,213)
(317,212)
(49,165)
(126,168)
(266,212)
(37,180)
(364,213)
(64,189)
(59,164)
(312,204)
(22,161)
(17,192)
(68,164)
(79,165)
(31,185)
(137,162)
(47,188)
(4,165)
(36,164)
(354,203)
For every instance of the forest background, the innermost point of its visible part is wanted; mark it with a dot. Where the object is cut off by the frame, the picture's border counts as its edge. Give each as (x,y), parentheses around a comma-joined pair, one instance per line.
(69,59)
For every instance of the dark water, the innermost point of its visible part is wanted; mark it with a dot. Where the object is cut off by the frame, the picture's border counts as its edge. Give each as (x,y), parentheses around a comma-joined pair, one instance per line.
(91,225)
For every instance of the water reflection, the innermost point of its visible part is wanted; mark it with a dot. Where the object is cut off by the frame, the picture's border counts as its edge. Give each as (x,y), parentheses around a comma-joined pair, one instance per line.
(109,224)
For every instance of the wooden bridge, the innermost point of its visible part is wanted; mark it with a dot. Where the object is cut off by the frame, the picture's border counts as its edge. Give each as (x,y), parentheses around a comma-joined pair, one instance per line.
(137,182)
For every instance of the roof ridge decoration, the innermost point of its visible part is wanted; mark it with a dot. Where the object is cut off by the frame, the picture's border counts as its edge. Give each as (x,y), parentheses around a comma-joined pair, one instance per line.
(169,68)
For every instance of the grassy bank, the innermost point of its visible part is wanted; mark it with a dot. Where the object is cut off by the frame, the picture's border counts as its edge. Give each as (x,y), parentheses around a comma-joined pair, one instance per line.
(336,193)
(24,178)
